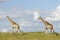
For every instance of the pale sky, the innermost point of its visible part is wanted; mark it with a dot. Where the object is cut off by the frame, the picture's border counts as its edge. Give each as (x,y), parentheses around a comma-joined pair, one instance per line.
(21,11)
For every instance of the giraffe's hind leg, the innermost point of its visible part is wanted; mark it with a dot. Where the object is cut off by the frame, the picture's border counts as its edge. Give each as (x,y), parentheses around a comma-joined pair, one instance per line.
(18,30)
(51,30)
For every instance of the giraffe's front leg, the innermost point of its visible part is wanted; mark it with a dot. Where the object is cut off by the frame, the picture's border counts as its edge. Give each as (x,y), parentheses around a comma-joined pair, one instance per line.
(11,29)
(16,29)
(45,31)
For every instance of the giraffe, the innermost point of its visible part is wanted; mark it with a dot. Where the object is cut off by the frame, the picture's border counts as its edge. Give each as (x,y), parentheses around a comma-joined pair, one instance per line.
(13,24)
(47,24)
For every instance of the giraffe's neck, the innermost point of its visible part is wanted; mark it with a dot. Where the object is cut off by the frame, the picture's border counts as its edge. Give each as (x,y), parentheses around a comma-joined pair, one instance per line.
(42,20)
(10,20)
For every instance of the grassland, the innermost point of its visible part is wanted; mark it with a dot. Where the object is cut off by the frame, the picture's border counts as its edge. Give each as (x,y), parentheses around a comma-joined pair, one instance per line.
(29,36)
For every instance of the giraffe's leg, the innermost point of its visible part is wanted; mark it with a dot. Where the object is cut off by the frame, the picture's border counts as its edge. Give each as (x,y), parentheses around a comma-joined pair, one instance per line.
(16,29)
(52,30)
(20,30)
(46,30)
(11,29)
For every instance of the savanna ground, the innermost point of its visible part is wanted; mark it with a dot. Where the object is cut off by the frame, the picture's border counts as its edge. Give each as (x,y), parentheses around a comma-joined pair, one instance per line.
(29,36)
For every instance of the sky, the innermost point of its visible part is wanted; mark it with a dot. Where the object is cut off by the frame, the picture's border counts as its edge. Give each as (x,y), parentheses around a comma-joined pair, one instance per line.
(21,11)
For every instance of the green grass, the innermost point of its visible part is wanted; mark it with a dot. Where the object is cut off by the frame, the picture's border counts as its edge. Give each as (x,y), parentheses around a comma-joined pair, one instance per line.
(29,36)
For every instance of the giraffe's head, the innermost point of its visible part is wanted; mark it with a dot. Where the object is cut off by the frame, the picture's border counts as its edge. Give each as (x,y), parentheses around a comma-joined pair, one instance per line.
(39,17)
(7,16)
